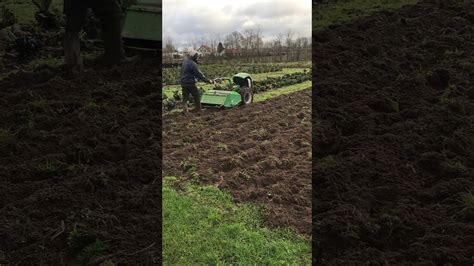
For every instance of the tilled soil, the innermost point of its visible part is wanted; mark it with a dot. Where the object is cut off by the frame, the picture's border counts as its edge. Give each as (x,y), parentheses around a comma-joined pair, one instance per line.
(260,153)
(394,138)
(81,153)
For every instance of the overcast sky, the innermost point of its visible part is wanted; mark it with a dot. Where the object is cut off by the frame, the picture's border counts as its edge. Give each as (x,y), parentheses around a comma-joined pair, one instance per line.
(185,20)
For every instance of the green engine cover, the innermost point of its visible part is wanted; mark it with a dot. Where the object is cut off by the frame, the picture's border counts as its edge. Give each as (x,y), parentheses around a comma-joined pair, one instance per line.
(218,98)
(242,75)
(143,21)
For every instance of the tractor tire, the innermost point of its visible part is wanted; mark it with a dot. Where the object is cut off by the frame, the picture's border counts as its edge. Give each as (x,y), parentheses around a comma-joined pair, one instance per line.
(247,95)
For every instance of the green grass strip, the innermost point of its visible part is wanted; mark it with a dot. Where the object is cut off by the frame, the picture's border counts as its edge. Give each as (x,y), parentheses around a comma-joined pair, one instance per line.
(263,96)
(203,226)
(345,11)
(264,76)
(292,64)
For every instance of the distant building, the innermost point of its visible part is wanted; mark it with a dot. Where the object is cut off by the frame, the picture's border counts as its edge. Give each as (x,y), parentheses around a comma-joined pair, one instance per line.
(178,55)
(175,55)
(205,50)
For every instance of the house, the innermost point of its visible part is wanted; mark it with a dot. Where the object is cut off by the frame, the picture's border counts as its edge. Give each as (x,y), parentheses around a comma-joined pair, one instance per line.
(177,55)
(205,50)
(174,55)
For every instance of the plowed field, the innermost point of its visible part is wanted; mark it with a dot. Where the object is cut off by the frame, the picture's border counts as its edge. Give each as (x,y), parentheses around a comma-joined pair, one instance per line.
(260,153)
(80,164)
(394,138)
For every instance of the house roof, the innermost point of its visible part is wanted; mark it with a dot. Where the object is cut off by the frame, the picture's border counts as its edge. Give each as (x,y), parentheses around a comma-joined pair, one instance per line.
(205,47)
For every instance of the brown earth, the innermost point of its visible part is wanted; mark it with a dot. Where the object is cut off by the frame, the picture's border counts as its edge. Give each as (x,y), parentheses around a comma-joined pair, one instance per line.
(82,153)
(394,138)
(260,153)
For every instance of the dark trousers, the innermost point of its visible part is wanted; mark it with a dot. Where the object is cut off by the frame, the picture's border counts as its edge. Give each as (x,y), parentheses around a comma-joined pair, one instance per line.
(110,14)
(190,88)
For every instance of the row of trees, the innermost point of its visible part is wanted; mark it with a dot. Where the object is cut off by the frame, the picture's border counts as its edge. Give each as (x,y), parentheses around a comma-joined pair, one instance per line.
(284,46)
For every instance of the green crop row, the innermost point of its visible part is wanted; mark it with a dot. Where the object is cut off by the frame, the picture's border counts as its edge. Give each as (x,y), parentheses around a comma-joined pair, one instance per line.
(271,83)
(171,75)
(282,81)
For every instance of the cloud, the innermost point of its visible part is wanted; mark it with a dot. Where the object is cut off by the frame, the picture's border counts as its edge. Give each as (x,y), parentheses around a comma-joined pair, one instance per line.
(271,10)
(186,20)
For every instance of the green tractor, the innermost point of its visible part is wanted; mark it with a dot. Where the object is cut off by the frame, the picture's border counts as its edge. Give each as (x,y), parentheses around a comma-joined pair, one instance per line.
(235,91)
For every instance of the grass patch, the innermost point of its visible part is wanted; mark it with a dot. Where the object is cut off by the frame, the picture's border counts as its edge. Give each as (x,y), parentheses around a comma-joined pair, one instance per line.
(24,10)
(203,226)
(303,64)
(222,146)
(83,247)
(447,96)
(6,135)
(468,201)
(454,167)
(46,169)
(345,11)
(44,63)
(91,106)
(283,90)
(7,74)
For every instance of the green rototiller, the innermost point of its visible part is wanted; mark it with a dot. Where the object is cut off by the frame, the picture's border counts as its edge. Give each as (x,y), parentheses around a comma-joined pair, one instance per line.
(142,25)
(229,92)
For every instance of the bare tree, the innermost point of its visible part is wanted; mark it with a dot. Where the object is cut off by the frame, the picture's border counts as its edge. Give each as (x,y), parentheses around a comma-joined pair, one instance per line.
(259,41)
(191,42)
(228,41)
(306,46)
(168,47)
(233,41)
(298,46)
(237,39)
(288,42)
(213,43)
(249,38)
(277,44)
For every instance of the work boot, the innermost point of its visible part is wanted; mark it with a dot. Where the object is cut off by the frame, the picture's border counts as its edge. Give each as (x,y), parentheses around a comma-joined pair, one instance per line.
(197,104)
(185,108)
(72,51)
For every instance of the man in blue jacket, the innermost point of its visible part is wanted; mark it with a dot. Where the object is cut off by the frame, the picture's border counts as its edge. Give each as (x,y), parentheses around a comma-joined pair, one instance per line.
(189,73)
(111,16)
